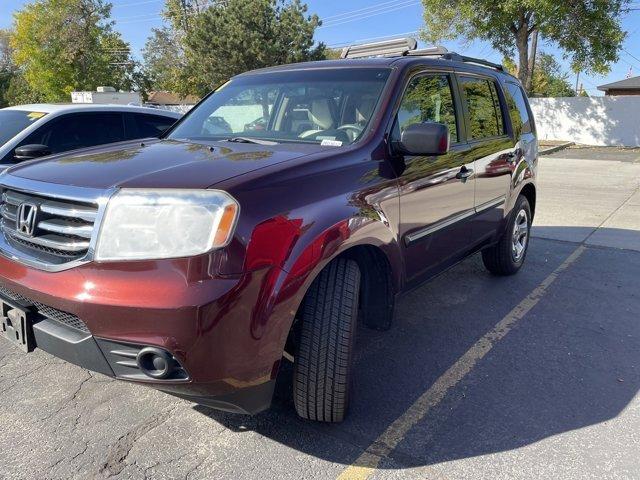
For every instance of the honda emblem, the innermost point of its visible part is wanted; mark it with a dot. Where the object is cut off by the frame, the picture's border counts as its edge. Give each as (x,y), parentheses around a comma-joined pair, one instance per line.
(26,219)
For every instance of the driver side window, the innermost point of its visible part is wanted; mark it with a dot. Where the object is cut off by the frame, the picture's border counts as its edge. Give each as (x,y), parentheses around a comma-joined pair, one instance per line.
(428,98)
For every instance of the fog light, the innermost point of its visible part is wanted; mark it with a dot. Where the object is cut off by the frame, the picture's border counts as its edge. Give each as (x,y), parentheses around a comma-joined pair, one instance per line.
(155,363)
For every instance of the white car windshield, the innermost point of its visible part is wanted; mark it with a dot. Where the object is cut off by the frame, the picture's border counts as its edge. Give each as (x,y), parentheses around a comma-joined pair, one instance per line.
(12,122)
(326,106)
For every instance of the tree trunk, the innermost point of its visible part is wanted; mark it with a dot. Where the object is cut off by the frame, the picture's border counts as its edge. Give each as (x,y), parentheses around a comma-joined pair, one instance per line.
(532,60)
(522,44)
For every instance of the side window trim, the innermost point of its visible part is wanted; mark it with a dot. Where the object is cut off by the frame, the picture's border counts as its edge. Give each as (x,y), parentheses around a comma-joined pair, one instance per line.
(467,118)
(455,94)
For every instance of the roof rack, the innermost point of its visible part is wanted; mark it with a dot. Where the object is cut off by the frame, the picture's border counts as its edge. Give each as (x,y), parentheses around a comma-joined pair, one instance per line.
(408,47)
(388,48)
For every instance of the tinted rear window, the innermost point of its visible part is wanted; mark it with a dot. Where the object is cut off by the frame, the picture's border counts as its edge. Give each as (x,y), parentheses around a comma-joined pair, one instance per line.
(12,122)
(485,117)
(152,125)
(518,110)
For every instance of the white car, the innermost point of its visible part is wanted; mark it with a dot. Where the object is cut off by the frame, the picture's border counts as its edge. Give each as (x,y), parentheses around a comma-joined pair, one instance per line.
(32,131)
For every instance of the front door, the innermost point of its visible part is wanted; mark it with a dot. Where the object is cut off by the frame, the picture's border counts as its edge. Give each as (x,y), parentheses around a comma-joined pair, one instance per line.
(436,192)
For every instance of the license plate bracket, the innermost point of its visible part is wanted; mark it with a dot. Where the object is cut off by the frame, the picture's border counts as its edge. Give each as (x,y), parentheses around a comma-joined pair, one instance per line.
(16,326)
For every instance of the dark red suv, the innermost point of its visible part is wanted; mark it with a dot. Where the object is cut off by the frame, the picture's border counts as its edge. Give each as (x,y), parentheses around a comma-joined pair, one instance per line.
(289,204)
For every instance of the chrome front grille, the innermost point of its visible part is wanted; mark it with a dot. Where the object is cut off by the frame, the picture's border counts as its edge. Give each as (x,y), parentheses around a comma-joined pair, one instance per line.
(48,230)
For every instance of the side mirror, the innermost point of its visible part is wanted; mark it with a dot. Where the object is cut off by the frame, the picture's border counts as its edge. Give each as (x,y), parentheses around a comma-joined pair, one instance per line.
(428,138)
(29,152)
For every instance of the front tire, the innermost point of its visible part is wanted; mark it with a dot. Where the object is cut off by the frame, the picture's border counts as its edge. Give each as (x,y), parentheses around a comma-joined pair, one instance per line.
(322,368)
(507,256)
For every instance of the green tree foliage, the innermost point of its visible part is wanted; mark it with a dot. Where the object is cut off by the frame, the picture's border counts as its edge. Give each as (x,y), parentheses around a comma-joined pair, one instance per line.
(588,31)
(66,45)
(7,67)
(548,79)
(163,58)
(233,36)
(164,52)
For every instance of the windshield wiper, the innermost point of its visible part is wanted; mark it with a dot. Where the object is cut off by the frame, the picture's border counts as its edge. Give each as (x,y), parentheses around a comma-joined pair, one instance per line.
(251,140)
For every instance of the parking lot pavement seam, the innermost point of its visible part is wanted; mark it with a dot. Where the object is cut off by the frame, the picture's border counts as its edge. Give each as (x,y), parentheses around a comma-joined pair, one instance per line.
(367,463)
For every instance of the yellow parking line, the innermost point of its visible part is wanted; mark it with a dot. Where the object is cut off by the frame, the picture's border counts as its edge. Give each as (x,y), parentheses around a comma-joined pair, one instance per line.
(368,462)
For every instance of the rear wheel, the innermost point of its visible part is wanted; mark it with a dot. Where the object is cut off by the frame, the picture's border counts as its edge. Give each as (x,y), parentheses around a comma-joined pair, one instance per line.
(507,256)
(322,368)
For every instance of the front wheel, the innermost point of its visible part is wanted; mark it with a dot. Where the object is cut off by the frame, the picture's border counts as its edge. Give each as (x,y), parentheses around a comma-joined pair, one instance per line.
(322,368)
(507,256)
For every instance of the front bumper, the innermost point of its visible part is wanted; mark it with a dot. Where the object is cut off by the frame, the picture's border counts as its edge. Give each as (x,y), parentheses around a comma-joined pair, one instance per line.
(99,316)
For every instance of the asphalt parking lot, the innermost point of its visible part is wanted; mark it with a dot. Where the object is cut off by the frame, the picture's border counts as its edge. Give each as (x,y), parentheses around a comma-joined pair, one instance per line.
(534,376)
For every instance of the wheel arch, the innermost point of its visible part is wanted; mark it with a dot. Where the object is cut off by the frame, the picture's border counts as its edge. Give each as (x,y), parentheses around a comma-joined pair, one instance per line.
(528,190)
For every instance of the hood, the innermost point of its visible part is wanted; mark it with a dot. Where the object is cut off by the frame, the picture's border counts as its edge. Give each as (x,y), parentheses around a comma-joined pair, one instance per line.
(159,164)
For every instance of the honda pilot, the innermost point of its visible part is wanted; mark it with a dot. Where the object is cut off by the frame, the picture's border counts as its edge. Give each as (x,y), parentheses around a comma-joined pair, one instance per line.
(290,205)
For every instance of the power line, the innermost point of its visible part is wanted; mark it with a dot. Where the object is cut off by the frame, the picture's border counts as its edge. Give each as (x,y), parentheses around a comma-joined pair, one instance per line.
(370,14)
(632,56)
(347,17)
(139,16)
(351,12)
(133,4)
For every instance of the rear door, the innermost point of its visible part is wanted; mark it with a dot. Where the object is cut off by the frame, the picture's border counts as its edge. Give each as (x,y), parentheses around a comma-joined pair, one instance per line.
(436,192)
(492,151)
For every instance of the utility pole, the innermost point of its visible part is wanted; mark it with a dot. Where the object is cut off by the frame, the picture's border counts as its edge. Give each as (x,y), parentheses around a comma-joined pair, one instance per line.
(577,81)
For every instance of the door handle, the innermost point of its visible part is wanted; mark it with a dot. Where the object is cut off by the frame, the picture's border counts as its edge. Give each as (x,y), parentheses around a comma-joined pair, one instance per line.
(464,173)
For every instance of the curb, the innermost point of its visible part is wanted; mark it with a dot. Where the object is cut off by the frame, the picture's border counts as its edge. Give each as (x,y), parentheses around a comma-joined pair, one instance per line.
(556,148)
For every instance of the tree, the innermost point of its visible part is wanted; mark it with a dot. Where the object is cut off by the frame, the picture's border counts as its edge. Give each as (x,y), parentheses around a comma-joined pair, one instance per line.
(163,58)
(7,66)
(164,51)
(66,45)
(548,79)
(233,36)
(589,32)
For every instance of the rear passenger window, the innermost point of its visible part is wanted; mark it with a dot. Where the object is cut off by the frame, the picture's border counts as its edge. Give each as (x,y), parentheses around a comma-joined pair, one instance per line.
(428,98)
(483,105)
(152,125)
(518,110)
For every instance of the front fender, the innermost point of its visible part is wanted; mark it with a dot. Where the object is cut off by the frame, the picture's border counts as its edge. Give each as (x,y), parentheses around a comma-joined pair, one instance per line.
(301,256)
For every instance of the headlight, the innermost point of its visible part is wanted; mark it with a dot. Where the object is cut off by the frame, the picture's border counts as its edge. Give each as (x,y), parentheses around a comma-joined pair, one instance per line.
(141,224)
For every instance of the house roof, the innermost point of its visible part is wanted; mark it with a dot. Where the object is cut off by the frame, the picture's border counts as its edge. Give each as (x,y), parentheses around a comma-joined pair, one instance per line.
(170,98)
(632,83)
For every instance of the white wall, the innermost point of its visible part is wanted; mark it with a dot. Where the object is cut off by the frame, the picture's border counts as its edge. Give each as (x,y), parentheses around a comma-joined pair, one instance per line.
(591,121)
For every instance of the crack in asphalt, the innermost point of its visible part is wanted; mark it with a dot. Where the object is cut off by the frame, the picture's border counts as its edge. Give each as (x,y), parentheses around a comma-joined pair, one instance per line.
(71,400)
(118,453)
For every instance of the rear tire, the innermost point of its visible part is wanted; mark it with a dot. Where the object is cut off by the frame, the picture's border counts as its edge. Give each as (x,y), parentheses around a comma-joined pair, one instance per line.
(507,256)
(322,368)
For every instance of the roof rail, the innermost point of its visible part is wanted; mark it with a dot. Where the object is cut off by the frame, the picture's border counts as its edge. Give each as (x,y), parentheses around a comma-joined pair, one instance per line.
(407,46)
(456,57)
(399,46)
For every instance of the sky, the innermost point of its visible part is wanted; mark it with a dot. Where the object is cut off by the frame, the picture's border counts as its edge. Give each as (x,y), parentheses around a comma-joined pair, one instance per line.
(348,21)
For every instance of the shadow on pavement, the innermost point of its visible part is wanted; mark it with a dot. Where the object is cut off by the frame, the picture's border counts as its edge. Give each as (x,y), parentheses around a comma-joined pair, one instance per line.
(571,362)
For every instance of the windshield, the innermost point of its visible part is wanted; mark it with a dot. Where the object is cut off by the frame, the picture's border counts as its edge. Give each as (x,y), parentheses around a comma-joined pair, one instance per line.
(325,106)
(12,122)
